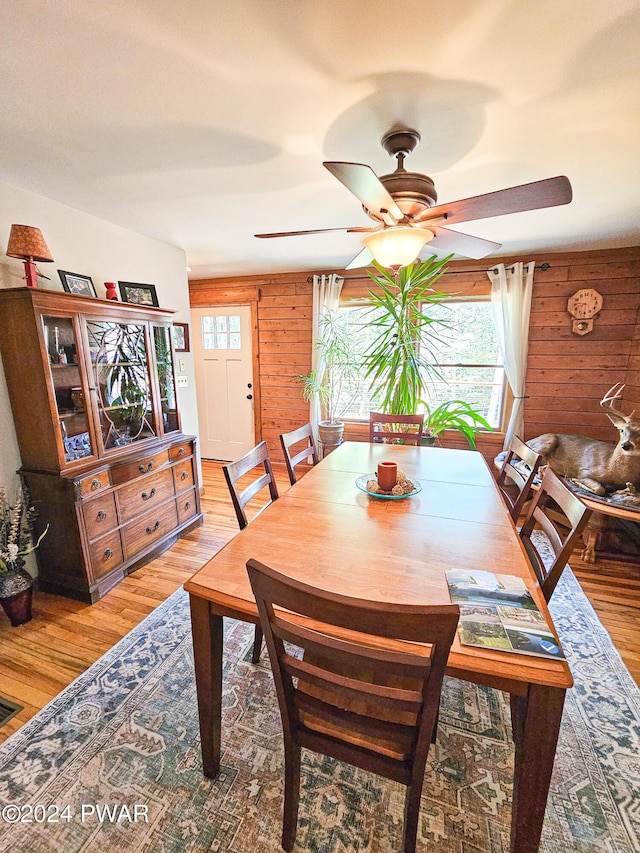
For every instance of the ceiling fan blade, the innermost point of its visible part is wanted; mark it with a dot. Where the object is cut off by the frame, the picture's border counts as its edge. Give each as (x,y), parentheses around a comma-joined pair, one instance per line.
(534,196)
(462,244)
(363,182)
(362,259)
(312,231)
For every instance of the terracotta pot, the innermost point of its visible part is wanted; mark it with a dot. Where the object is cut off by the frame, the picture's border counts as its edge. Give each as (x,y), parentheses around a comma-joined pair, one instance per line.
(16,591)
(387,475)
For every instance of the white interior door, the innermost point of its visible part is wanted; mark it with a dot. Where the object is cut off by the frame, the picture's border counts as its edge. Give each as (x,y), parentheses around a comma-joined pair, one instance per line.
(224,376)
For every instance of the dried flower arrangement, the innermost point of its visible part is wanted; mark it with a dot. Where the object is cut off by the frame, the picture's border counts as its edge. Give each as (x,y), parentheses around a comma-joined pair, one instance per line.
(16,527)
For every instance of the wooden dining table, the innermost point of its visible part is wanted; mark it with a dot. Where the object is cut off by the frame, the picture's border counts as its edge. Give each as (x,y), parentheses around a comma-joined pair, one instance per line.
(328,533)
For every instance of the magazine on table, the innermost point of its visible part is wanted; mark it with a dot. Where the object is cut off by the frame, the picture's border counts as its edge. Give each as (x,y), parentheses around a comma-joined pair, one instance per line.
(498,612)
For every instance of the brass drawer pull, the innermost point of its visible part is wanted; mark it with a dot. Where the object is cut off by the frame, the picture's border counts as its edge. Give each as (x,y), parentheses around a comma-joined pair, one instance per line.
(146,497)
(144,469)
(184,475)
(182,451)
(154,528)
(102,515)
(95,484)
(187,505)
(108,553)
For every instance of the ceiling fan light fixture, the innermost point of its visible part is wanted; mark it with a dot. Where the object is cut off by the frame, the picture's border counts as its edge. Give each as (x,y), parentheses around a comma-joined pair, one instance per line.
(398,245)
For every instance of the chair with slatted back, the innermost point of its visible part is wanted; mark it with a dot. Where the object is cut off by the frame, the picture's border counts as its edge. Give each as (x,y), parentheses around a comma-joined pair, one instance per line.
(362,691)
(393,428)
(293,458)
(519,470)
(240,497)
(552,496)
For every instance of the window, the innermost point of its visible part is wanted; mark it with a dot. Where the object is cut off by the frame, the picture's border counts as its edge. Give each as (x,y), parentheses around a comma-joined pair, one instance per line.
(468,353)
(221,332)
(469,359)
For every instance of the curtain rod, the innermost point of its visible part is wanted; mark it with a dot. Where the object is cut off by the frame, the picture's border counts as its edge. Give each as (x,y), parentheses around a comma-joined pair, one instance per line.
(544,267)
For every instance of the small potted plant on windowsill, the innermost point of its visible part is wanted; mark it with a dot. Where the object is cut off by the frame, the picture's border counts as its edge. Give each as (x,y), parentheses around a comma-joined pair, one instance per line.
(16,584)
(454,414)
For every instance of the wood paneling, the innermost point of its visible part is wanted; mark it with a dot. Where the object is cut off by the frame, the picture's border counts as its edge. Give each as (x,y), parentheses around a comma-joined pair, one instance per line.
(567,374)
(284,309)
(632,391)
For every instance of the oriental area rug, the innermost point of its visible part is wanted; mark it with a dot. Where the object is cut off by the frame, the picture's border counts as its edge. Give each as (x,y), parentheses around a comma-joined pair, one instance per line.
(113,763)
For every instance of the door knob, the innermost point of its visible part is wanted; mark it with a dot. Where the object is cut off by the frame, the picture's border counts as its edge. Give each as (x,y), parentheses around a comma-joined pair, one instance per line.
(249,396)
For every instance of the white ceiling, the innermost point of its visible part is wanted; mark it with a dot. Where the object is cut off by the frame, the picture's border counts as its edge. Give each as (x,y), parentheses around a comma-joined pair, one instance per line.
(201,123)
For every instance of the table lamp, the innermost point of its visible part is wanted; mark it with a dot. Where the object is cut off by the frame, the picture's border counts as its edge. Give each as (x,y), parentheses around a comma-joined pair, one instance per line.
(27,243)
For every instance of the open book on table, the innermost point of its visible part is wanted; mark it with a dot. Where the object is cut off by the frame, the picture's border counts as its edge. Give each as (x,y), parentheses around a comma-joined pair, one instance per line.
(498,612)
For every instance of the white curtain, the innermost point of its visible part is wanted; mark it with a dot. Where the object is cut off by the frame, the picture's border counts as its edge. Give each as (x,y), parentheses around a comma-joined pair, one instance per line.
(511,290)
(326,298)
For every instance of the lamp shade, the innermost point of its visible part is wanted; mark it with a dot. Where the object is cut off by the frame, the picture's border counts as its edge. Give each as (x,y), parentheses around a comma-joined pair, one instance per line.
(397,245)
(27,242)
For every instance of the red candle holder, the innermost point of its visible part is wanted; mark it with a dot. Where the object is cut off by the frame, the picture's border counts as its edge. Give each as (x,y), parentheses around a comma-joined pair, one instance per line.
(387,475)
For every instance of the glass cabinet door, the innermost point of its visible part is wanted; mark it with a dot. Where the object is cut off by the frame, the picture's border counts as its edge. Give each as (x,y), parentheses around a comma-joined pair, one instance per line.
(166,379)
(120,365)
(66,381)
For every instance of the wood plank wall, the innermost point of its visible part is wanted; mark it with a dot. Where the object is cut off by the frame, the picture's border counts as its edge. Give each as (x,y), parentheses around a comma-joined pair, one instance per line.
(284,314)
(567,374)
(632,391)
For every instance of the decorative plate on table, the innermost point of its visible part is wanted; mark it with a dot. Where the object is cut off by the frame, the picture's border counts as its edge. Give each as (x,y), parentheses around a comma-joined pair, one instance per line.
(362,481)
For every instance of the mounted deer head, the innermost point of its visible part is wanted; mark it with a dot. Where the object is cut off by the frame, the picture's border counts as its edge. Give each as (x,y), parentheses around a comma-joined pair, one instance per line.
(598,466)
(629,427)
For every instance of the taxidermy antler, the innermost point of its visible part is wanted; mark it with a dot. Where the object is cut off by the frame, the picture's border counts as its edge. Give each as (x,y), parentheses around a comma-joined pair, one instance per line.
(596,466)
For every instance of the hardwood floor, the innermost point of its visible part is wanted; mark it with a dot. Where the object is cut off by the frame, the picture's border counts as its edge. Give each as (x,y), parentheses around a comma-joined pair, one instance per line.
(40,659)
(65,637)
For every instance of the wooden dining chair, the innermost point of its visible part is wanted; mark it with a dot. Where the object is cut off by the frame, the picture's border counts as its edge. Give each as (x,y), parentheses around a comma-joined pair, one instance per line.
(258,455)
(553,496)
(397,427)
(293,458)
(363,691)
(519,470)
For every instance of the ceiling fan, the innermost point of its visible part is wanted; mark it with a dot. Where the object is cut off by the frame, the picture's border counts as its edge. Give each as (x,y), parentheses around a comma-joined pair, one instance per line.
(404,207)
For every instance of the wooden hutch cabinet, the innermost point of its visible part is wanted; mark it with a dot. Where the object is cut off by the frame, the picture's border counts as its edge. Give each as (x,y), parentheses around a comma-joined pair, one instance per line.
(92,390)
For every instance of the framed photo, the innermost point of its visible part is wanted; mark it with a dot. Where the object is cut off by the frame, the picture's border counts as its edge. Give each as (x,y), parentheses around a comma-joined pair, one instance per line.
(138,294)
(181,337)
(81,285)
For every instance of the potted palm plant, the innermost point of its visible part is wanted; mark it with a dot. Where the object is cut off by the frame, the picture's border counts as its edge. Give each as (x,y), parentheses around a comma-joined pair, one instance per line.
(403,355)
(335,385)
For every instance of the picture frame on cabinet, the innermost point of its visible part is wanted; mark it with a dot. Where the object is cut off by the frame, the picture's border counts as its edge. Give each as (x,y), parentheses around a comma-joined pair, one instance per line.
(79,285)
(138,294)
(181,337)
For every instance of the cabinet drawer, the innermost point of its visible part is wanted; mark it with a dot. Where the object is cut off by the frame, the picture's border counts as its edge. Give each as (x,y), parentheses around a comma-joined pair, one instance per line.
(144,493)
(105,554)
(186,504)
(183,475)
(180,451)
(148,528)
(94,483)
(100,515)
(144,465)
